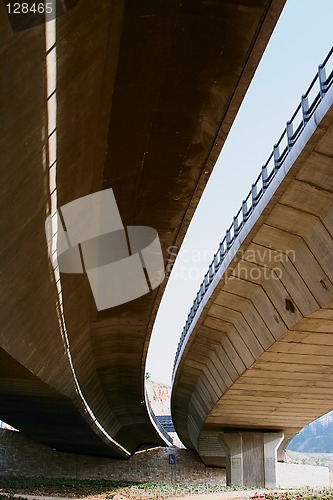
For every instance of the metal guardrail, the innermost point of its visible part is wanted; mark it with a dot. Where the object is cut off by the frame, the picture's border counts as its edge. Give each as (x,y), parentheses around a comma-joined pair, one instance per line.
(309,102)
(166,422)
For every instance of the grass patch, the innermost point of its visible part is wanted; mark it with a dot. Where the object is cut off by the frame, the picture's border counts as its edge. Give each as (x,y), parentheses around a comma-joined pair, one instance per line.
(102,487)
(306,494)
(61,486)
(127,490)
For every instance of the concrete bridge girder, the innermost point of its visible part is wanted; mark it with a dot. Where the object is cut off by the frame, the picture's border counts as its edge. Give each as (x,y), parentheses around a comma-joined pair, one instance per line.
(259,356)
(146,94)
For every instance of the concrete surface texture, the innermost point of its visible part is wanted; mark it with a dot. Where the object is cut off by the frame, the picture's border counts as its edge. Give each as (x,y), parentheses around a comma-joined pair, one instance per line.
(260,355)
(146,94)
(21,456)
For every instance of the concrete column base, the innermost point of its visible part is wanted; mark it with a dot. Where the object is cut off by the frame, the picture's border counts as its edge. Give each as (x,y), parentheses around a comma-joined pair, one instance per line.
(251,457)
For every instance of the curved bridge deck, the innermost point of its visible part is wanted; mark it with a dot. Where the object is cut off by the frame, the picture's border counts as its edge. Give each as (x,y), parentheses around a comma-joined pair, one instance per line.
(256,352)
(139,97)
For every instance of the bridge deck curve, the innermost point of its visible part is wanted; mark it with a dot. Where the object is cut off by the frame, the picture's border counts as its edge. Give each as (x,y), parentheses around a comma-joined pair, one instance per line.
(146,93)
(259,353)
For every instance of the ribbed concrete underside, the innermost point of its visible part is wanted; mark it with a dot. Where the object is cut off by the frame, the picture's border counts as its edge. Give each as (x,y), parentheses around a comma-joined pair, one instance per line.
(260,356)
(146,94)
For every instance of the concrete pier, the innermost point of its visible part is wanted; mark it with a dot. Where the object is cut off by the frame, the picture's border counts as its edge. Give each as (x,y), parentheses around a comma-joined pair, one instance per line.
(251,457)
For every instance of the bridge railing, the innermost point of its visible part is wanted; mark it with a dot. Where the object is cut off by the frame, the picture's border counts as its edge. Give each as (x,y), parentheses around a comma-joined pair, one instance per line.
(294,127)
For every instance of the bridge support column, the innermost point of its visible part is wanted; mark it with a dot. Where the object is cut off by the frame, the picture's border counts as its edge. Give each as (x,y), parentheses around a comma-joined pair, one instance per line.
(251,457)
(281,452)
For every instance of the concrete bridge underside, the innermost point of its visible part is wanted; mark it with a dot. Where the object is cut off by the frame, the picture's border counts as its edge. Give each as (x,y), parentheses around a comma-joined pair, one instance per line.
(258,363)
(146,94)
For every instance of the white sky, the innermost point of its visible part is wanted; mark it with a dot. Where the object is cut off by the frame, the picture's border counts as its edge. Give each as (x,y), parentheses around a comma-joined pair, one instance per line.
(300,42)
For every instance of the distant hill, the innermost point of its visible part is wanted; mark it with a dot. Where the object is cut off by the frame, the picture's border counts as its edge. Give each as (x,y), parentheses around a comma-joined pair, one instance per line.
(316,437)
(159,397)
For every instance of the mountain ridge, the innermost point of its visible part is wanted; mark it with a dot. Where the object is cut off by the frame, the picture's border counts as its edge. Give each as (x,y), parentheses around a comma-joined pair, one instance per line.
(316,437)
